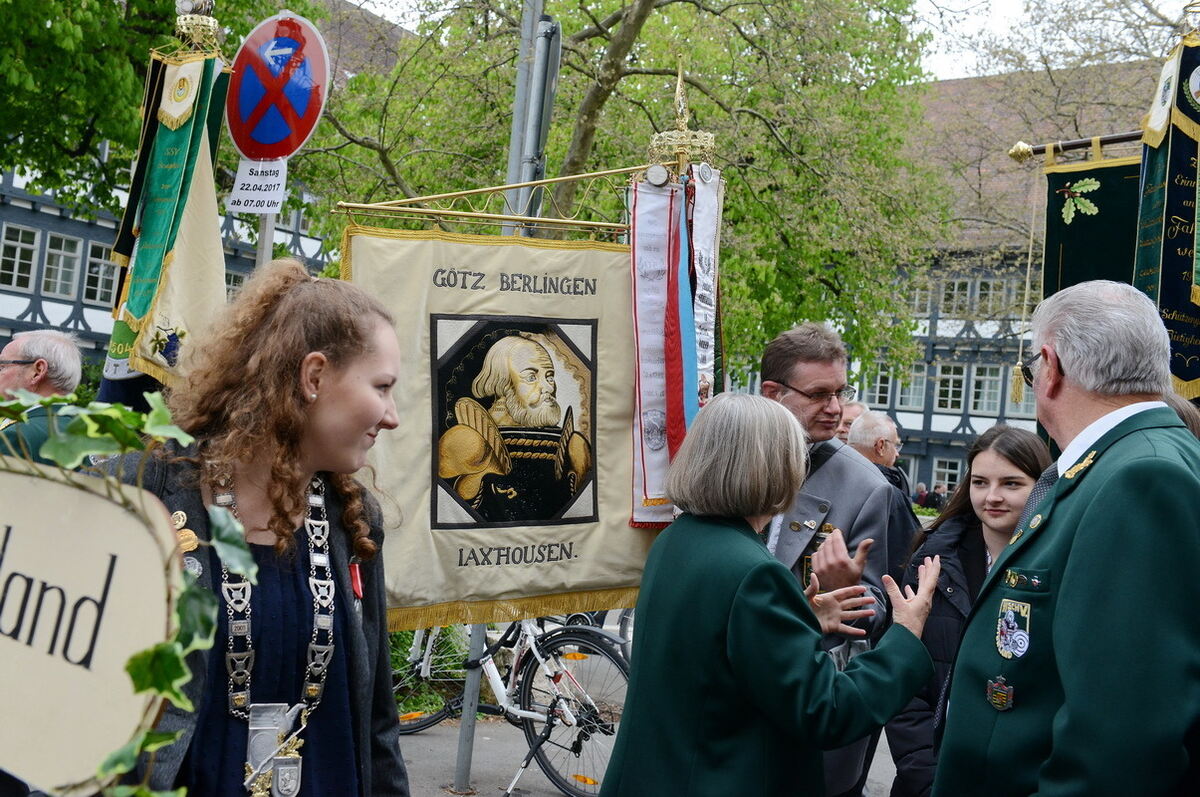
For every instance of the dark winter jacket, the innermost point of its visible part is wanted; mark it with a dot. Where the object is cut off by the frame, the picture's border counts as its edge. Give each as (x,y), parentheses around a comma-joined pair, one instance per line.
(914,733)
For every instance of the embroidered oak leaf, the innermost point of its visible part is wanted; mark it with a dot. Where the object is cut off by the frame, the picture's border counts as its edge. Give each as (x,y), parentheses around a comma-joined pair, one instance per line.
(1074,202)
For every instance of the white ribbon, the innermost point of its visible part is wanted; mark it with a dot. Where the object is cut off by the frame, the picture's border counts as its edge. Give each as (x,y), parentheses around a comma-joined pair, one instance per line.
(706,241)
(655,219)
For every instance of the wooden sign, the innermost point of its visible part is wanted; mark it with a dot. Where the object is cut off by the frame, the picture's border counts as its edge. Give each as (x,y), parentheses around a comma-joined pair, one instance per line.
(84,584)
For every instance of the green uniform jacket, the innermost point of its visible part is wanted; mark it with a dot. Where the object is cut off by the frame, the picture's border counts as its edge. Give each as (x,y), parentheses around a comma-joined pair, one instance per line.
(33,431)
(1101,651)
(731,694)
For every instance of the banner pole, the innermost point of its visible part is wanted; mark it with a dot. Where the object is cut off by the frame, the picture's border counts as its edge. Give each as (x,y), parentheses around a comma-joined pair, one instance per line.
(266,240)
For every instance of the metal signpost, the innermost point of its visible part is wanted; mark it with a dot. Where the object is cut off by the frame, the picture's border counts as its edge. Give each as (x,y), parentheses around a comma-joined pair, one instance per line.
(276,95)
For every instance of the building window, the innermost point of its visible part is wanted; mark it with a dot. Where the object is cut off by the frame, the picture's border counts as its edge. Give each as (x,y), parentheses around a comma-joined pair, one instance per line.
(956,299)
(301,222)
(16,261)
(993,298)
(233,284)
(951,387)
(909,466)
(878,390)
(947,471)
(62,266)
(911,395)
(985,392)
(920,298)
(100,281)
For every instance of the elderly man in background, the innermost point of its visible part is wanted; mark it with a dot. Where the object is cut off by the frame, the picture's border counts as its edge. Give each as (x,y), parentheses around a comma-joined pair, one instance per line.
(874,435)
(850,412)
(1079,668)
(844,505)
(46,362)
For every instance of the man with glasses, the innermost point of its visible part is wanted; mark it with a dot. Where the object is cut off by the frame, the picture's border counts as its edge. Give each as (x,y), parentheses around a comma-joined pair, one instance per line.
(46,362)
(844,506)
(874,435)
(1079,667)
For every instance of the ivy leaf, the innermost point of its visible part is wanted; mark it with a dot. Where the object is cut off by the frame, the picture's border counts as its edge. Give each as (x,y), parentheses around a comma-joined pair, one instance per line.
(1068,211)
(125,758)
(196,613)
(1086,206)
(13,410)
(1085,185)
(229,538)
(158,421)
(69,446)
(161,670)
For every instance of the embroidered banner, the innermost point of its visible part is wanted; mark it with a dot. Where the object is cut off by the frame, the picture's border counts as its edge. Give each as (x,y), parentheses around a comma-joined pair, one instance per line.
(1165,264)
(1091,222)
(170,239)
(654,214)
(511,466)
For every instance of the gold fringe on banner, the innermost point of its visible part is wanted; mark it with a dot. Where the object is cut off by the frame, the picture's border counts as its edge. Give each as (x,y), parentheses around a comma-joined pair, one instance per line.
(1188,126)
(1189,390)
(403,619)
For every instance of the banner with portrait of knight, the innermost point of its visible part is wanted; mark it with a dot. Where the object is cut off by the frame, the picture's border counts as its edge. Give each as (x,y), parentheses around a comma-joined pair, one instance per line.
(508,482)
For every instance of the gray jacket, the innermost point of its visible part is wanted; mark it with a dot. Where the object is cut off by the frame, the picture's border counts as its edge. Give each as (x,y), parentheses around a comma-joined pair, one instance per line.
(846,492)
(381,769)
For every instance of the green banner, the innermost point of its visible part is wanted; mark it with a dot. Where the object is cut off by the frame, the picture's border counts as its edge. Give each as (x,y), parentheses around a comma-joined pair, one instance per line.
(168,178)
(1165,266)
(1091,222)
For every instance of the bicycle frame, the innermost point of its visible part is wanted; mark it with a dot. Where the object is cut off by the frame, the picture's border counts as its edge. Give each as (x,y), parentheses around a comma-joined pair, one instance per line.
(526,643)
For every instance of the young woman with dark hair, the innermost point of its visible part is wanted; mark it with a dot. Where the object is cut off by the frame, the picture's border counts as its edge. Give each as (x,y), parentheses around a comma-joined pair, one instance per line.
(977,522)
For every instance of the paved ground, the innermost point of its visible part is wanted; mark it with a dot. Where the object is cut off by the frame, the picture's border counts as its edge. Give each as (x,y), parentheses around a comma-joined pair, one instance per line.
(499,748)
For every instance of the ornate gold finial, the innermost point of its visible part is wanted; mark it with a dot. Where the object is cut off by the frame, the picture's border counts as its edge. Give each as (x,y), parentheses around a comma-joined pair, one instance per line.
(1021,152)
(681,106)
(195,25)
(682,145)
(1191,18)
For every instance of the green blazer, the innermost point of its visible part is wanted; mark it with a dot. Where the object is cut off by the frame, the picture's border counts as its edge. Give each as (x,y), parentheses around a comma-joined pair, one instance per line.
(730,691)
(33,432)
(1079,670)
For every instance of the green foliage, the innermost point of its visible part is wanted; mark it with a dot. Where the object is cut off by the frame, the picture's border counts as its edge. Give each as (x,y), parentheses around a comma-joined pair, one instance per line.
(100,429)
(195,616)
(162,671)
(89,384)
(125,758)
(811,105)
(229,539)
(72,75)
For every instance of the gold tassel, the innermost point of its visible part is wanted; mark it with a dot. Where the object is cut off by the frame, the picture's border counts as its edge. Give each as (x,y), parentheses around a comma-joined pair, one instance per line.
(1017,393)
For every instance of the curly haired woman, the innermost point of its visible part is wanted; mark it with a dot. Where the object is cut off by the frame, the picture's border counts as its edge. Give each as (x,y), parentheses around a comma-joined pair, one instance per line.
(285,399)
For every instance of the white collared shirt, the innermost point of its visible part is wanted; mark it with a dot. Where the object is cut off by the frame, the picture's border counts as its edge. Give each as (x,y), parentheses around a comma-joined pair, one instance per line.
(1097,429)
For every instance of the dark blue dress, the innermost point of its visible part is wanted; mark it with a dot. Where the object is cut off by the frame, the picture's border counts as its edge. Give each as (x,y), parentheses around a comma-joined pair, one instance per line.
(281,613)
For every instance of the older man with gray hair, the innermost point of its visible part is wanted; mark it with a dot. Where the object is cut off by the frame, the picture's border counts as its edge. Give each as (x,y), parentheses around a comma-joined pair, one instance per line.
(1079,669)
(874,435)
(46,362)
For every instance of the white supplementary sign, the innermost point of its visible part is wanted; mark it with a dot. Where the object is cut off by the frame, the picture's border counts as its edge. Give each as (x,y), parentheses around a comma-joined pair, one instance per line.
(258,187)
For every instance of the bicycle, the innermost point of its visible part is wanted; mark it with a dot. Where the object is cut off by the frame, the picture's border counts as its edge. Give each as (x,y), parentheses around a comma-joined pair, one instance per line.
(565,688)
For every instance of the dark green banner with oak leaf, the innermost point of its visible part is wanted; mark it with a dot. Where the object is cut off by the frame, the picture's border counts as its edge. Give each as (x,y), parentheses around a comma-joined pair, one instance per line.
(1091,222)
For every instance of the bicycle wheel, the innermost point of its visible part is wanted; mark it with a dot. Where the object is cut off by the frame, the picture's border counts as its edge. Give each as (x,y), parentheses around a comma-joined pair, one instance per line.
(428,674)
(592,685)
